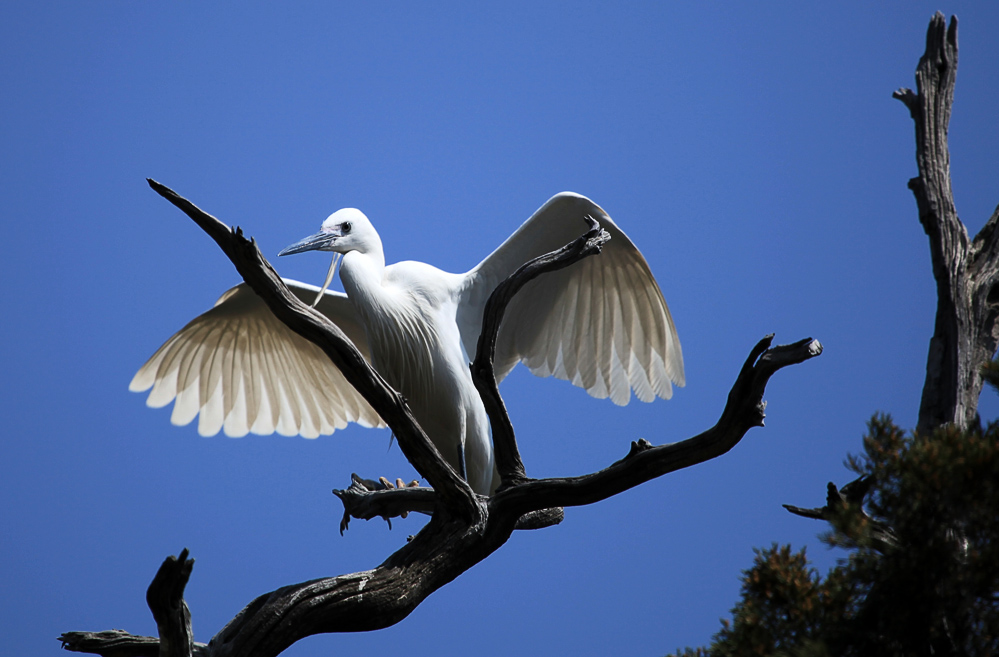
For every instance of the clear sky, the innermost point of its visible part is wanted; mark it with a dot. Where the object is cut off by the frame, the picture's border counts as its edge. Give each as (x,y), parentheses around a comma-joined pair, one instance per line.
(752,151)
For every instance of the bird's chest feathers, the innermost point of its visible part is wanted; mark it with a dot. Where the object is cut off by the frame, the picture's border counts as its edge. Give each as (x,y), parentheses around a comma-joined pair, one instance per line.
(410,326)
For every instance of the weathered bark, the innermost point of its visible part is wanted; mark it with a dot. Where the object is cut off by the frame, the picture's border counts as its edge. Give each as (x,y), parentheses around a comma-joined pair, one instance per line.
(165,597)
(464,528)
(842,508)
(453,492)
(966,331)
(508,461)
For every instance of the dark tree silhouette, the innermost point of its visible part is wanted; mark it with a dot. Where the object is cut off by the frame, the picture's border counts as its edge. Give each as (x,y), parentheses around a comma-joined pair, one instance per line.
(464,528)
(922,577)
(967,272)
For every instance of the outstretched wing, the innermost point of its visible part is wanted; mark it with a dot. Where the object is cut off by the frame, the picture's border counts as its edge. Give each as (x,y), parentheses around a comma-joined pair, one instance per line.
(244,371)
(601,323)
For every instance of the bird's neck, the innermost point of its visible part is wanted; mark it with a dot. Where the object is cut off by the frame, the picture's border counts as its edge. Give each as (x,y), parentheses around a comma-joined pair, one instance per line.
(362,274)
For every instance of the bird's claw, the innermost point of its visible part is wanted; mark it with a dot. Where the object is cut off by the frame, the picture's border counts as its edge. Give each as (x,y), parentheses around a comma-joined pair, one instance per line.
(399,483)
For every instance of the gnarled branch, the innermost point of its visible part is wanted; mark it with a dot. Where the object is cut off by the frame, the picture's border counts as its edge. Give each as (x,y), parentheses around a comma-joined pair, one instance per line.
(744,410)
(844,510)
(453,492)
(464,528)
(967,272)
(445,548)
(165,597)
(966,329)
(118,643)
(508,461)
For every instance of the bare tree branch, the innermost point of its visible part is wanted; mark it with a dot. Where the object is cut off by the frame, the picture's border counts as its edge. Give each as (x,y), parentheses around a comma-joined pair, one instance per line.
(844,510)
(118,643)
(967,273)
(447,547)
(966,330)
(744,410)
(463,529)
(364,501)
(508,461)
(165,598)
(453,492)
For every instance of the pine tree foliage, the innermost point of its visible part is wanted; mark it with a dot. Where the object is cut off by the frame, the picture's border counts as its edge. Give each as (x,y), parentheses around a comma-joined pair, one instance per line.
(784,609)
(937,590)
(922,574)
(920,524)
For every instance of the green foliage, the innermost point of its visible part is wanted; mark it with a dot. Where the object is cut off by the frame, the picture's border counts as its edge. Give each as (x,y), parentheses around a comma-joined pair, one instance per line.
(922,575)
(935,591)
(785,608)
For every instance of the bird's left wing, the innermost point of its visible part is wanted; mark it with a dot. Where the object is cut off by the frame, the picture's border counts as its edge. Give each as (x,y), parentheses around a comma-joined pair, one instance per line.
(242,370)
(601,323)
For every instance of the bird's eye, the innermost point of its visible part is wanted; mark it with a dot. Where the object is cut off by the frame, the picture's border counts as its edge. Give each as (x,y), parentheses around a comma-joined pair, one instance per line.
(346,227)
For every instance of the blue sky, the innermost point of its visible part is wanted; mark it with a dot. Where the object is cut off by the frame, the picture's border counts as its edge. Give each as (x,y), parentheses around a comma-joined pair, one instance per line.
(752,151)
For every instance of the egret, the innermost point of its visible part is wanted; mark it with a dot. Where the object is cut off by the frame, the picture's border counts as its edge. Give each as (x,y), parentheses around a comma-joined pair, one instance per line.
(601,323)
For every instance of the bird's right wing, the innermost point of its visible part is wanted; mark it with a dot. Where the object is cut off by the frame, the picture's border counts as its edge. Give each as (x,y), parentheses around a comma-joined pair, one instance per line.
(244,371)
(602,323)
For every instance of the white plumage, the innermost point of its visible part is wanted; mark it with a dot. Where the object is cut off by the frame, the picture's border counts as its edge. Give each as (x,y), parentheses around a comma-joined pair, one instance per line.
(601,323)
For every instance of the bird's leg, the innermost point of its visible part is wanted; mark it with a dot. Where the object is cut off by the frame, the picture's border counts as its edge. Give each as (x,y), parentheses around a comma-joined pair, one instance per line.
(461,461)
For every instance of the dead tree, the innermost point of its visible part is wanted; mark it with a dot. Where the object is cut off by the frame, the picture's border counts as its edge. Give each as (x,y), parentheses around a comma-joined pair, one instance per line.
(966,331)
(967,272)
(464,528)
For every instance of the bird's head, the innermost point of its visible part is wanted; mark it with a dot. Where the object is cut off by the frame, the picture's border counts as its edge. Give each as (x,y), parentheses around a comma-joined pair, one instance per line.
(343,231)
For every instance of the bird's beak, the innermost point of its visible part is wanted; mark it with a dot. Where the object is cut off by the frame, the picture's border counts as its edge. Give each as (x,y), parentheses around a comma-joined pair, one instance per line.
(321,241)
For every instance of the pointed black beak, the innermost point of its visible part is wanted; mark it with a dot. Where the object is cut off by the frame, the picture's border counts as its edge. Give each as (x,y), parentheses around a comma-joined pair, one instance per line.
(321,241)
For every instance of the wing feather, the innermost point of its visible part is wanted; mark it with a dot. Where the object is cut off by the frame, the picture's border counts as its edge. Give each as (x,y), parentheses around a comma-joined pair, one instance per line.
(232,379)
(210,387)
(602,323)
(291,398)
(237,411)
(239,369)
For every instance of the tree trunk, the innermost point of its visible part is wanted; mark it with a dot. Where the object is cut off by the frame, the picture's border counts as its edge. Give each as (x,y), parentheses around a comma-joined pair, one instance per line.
(965,332)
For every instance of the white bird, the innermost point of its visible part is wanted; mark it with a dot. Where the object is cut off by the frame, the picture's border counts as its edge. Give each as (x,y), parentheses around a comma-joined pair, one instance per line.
(601,323)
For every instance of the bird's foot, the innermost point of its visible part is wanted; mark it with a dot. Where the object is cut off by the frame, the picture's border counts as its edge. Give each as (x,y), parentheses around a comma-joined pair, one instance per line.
(366,499)
(399,483)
